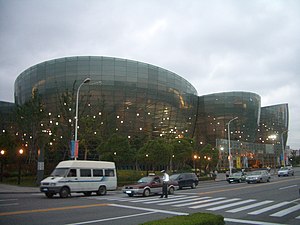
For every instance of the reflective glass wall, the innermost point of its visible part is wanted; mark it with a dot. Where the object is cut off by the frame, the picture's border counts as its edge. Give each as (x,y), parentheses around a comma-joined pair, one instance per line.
(126,96)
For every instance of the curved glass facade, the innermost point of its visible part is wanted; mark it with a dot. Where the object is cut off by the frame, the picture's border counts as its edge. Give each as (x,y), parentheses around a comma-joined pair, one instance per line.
(132,98)
(129,96)
(216,110)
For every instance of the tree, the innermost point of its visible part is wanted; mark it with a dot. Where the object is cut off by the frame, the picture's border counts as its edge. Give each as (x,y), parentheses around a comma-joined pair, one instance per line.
(182,151)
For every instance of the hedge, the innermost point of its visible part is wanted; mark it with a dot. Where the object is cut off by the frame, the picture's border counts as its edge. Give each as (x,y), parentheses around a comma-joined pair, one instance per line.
(193,219)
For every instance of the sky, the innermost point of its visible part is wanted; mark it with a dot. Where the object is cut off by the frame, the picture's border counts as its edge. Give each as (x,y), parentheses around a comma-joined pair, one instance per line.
(217,45)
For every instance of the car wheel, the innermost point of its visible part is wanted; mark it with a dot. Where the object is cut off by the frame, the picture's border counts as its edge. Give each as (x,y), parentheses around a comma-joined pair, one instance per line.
(171,191)
(101,190)
(64,192)
(87,193)
(239,181)
(193,185)
(49,195)
(146,192)
(248,182)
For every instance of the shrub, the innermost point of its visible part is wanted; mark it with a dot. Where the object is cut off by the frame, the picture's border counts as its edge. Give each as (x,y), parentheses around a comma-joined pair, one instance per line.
(193,219)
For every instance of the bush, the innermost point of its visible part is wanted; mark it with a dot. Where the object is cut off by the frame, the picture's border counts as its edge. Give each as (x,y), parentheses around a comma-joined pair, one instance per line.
(193,219)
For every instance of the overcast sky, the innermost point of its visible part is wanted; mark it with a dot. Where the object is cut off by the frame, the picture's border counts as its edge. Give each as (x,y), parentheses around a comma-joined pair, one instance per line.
(217,45)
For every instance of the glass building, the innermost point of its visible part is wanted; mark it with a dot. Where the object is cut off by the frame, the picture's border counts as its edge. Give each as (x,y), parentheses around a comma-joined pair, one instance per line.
(132,98)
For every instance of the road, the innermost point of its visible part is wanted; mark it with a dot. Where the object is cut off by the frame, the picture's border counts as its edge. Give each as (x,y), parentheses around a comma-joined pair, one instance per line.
(276,202)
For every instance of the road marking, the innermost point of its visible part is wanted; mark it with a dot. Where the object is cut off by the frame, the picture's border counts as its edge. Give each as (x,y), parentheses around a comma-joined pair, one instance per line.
(232,204)
(151,210)
(109,219)
(288,187)
(8,204)
(268,208)
(156,198)
(249,206)
(214,203)
(181,201)
(9,199)
(251,222)
(51,209)
(286,211)
(199,202)
(167,200)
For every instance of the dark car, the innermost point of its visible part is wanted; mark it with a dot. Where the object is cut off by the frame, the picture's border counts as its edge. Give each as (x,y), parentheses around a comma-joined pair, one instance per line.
(185,180)
(148,186)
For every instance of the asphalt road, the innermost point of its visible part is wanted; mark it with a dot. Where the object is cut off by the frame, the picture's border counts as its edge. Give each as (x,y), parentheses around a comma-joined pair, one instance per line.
(276,202)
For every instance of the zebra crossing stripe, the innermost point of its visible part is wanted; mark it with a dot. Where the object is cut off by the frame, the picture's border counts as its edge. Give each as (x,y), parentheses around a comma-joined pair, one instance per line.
(230,205)
(199,202)
(168,199)
(147,199)
(214,203)
(268,208)
(249,206)
(186,199)
(286,211)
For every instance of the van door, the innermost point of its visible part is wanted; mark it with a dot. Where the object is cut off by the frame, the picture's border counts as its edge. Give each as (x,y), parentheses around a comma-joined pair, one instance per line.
(85,180)
(72,180)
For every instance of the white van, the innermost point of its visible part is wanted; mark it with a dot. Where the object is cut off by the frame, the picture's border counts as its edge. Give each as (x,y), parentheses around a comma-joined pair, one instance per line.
(80,176)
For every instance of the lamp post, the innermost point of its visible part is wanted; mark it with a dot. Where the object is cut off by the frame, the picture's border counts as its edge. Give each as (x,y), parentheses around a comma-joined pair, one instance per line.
(282,144)
(87,80)
(21,151)
(195,157)
(229,148)
(2,152)
(273,137)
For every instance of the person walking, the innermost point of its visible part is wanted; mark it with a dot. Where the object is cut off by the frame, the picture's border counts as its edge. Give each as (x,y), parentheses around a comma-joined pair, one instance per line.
(166,179)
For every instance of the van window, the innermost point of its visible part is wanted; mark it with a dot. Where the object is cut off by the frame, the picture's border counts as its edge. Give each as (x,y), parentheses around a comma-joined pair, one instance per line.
(85,173)
(109,173)
(97,173)
(72,173)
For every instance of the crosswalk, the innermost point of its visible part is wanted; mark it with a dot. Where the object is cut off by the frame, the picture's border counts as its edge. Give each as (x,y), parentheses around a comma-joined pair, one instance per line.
(229,205)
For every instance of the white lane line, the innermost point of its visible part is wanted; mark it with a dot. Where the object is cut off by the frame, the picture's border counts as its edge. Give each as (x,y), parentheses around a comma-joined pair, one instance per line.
(9,204)
(250,222)
(257,212)
(9,199)
(199,202)
(288,187)
(214,203)
(109,219)
(151,210)
(230,205)
(286,211)
(249,206)
(181,201)
(167,200)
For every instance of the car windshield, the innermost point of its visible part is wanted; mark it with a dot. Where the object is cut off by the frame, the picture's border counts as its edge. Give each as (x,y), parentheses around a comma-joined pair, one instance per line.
(283,168)
(59,172)
(174,177)
(145,180)
(256,173)
(237,174)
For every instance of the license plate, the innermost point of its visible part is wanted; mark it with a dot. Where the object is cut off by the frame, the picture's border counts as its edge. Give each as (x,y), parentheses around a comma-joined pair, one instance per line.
(45,189)
(128,192)
(230,180)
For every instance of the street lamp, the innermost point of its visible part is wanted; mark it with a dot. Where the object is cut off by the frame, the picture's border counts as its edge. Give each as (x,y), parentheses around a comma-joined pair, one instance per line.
(87,80)
(282,144)
(229,150)
(21,151)
(2,152)
(273,137)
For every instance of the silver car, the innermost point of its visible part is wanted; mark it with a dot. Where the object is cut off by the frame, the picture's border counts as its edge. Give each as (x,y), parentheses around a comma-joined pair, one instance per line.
(285,171)
(258,176)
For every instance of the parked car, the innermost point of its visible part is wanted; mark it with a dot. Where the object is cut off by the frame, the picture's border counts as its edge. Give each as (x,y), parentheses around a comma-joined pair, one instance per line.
(237,178)
(285,171)
(258,176)
(185,180)
(148,186)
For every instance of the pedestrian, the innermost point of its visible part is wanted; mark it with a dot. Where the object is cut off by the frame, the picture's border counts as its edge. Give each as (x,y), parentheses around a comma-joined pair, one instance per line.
(166,179)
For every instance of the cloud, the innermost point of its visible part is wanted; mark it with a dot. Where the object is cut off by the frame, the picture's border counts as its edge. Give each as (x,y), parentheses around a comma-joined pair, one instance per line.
(215,45)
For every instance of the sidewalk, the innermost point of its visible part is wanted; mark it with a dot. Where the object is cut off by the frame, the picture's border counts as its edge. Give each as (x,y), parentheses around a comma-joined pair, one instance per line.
(9,189)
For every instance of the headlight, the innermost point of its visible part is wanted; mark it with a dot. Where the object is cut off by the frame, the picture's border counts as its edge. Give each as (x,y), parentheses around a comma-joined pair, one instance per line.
(52,184)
